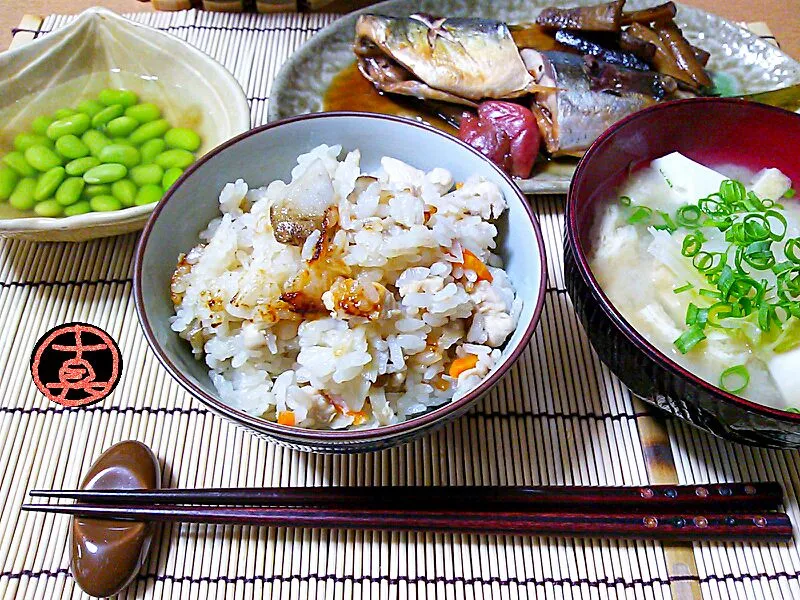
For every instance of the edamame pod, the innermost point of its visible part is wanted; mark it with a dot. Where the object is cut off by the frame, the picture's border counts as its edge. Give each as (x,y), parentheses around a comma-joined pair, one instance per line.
(151,149)
(95,140)
(143,113)
(146,174)
(105,203)
(118,153)
(150,130)
(116,96)
(48,208)
(79,208)
(42,158)
(180,137)
(69,192)
(71,147)
(124,190)
(48,183)
(174,158)
(22,196)
(148,194)
(23,141)
(170,176)
(79,166)
(107,114)
(121,126)
(8,181)
(75,124)
(105,173)
(16,160)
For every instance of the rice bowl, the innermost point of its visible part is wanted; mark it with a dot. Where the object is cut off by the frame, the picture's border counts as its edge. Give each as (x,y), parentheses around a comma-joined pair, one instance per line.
(388,304)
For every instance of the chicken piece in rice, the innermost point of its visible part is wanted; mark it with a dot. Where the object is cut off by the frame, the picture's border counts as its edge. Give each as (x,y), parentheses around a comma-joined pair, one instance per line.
(347,299)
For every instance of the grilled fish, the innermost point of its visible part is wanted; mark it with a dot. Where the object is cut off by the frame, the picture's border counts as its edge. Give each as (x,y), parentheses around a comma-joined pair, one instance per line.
(436,58)
(589,97)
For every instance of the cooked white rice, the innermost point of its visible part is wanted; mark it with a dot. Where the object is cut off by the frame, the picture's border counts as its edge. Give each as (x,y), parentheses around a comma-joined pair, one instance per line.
(400,305)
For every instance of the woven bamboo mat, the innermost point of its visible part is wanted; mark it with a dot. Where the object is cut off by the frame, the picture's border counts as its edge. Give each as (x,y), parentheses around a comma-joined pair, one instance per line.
(559,418)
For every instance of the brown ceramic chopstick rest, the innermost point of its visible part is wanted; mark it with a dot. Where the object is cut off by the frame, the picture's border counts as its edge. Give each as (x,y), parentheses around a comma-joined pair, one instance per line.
(107,555)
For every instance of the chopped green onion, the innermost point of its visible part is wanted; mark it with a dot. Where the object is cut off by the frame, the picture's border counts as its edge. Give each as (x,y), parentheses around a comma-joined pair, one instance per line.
(790,249)
(755,228)
(689,339)
(692,244)
(759,256)
(710,294)
(682,288)
(640,214)
(734,379)
(732,191)
(625,200)
(720,310)
(689,215)
(668,225)
(705,261)
(790,193)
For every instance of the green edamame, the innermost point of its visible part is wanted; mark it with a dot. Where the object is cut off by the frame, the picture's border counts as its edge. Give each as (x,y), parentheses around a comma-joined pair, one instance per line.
(90,191)
(48,208)
(95,140)
(148,194)
(174,158)
(69,192)
(116,96)
(146,174)
(48,183)
(170,176)
(63,113)
(79,166)
(71,147)
(90,107)
(40,124)
(151,149)
(105,203)
(42,158)
(119,153)
(124,190)
(180,137)
(150,130)
(8,181)
(16,160)
(121,126)
(107,114)
(75,124)
(105,173)
(79,208)
(143,113)
(23,141)
(22,196)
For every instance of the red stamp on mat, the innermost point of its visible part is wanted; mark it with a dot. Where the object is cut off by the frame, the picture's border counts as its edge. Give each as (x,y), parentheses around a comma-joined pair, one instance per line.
(76,364)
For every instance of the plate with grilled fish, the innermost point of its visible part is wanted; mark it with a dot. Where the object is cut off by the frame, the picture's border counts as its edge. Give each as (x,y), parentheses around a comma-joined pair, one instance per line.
(529,83)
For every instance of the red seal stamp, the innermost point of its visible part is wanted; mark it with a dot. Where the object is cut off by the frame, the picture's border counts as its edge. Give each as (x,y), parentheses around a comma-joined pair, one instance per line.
(76,364)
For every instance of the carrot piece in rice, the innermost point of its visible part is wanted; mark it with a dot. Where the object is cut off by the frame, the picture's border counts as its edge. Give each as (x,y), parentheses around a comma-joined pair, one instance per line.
(462,364)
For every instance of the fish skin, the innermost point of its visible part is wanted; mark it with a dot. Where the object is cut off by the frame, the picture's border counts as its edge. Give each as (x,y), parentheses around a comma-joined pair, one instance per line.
(578,113)
(455,56)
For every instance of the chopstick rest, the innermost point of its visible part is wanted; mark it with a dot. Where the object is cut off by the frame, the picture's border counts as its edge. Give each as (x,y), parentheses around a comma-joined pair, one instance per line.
(106,556)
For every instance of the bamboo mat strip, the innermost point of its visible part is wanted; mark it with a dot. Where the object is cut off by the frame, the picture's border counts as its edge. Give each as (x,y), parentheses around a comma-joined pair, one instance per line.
(560,417)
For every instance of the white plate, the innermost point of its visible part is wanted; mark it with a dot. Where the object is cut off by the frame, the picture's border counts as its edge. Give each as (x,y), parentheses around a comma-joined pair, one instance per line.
(747,62)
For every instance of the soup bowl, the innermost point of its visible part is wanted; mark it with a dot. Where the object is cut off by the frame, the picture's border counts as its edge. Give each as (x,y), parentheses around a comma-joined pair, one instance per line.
(712,131)
(268,153)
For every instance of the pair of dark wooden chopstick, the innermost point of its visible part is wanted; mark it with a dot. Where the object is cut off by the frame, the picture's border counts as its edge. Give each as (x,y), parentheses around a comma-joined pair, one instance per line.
(743,511)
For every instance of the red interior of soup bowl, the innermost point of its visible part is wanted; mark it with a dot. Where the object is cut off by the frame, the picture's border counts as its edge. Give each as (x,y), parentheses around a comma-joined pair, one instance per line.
(712,131)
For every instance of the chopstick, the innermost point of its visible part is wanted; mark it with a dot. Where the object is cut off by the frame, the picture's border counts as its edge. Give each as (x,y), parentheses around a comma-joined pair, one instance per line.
(764,527)
(717,498)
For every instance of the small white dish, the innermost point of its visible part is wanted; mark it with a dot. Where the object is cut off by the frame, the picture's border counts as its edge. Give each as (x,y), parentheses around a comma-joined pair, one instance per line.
(101,49)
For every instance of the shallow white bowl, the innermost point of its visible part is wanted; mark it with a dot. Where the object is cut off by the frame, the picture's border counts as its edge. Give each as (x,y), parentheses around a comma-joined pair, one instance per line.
(268,153)
(100,49)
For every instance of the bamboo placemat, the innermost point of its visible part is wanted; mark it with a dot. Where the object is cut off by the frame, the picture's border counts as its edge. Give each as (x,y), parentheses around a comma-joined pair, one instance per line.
(560,417)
